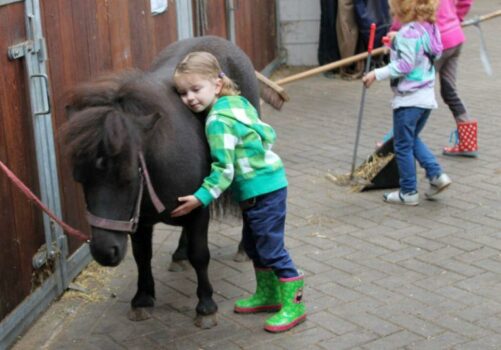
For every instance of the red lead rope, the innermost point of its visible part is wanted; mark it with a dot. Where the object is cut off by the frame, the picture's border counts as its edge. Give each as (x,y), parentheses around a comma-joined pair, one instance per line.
(31,196)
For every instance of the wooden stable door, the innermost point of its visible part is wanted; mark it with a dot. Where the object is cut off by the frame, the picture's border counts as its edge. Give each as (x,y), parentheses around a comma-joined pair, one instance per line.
(21,228)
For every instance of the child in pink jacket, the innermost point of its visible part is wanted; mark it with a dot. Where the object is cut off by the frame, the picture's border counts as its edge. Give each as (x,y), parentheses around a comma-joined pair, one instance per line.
(450,14)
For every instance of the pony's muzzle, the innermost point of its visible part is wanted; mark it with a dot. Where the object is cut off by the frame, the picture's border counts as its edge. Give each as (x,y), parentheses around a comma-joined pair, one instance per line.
(108,249)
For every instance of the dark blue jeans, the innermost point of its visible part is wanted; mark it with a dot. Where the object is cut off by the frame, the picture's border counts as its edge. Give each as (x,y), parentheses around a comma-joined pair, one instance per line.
(263,233)
(407,124)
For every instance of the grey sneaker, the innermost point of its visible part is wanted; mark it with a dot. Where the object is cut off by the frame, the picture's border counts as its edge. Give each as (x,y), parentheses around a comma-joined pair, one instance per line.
(398,197)
(437,185)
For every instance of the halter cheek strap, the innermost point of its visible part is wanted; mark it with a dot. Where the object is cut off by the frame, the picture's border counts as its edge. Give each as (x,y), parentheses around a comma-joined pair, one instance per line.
(151,191)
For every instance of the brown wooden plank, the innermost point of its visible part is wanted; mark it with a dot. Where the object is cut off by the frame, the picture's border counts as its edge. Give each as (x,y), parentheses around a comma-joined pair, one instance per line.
(214,22)
(82,18)
(256,34)
(99,47)
(141,33)
(165,28)
(118,21)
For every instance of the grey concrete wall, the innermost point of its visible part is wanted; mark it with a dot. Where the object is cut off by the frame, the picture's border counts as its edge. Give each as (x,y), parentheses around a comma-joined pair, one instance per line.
(299,31)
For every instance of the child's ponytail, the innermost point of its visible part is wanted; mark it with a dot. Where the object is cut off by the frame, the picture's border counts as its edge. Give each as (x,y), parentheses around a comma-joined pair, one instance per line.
(229,86)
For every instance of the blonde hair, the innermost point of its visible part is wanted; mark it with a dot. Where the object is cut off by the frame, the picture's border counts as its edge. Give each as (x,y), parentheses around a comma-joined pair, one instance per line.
(414,10)
(206,65)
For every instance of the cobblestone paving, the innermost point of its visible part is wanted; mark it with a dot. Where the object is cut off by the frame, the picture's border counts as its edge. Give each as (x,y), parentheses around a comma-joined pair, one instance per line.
(378,276)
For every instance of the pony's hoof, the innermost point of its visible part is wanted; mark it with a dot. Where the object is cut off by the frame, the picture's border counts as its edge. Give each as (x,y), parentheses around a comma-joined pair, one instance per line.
(177,266)
(241,257)
(138,314)
(206,322)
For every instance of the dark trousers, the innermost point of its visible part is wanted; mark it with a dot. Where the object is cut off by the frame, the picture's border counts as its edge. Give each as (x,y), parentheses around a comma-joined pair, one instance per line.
(263,233)
(446,67)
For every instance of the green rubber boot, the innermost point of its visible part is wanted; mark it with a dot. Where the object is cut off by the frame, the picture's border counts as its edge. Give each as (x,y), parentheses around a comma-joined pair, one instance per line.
(293,311)
(267,296)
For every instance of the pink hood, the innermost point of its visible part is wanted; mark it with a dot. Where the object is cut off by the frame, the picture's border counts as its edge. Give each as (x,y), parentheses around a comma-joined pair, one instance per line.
(450,14)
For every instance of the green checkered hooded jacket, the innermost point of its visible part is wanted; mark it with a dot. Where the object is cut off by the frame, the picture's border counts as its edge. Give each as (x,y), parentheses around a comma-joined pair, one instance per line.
(242,158)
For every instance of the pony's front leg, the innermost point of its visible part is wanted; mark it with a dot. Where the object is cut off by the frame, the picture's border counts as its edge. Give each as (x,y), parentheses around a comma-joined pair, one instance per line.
(145,295)
(198,254)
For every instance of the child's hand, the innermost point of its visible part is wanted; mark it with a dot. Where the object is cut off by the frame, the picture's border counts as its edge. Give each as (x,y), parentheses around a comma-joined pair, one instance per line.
(188,204)
(369,78)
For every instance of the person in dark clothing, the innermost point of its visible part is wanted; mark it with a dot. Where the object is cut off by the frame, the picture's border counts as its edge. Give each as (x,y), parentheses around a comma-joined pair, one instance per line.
(328,50)
(368,12)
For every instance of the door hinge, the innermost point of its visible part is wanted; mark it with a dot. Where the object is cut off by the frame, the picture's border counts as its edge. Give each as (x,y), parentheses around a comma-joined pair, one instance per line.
(37,46)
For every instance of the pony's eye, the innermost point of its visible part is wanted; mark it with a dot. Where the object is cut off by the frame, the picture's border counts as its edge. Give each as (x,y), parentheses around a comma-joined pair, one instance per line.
(100,163)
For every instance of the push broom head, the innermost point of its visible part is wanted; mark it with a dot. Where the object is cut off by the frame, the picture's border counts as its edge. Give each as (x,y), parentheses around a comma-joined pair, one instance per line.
(271,92)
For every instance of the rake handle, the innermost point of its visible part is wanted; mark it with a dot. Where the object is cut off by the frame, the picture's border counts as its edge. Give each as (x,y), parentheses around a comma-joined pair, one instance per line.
(362,101)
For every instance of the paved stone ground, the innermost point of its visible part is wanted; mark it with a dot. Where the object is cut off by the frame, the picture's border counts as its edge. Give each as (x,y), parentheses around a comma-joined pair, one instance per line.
(378,276)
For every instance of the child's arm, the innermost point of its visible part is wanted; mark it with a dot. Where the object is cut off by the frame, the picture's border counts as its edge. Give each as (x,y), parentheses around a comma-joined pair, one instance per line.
(400,66)
(222,143)
(405,61)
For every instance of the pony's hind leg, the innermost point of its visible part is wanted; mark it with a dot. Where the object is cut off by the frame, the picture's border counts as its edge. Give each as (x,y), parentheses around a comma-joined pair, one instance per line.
(180,256)
(145,295)
(198,254)
(241,255)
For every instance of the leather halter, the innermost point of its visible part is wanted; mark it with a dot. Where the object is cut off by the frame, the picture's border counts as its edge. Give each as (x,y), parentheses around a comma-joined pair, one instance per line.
(130,225)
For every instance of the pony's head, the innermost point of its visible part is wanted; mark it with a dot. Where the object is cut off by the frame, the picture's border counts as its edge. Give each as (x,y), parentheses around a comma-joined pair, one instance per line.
(109,123)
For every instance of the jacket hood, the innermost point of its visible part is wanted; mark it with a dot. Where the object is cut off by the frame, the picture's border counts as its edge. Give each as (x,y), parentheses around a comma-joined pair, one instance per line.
(435,47)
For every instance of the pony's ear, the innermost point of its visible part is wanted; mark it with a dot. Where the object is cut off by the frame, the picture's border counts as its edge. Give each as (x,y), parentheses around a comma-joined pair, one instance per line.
(148,121)
(115,134)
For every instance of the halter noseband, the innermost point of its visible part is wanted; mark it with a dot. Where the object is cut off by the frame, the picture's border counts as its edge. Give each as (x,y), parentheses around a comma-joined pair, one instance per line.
(131,225)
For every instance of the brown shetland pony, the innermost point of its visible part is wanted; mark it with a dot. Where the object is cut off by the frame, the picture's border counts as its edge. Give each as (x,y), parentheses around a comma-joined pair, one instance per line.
(128,128)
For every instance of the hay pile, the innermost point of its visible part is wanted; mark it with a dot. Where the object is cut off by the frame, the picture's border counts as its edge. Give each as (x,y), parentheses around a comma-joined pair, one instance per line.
(91,284)
(364,174)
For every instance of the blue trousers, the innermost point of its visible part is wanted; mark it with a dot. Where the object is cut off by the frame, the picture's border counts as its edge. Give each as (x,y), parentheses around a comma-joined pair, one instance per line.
(407,124)
(263,233)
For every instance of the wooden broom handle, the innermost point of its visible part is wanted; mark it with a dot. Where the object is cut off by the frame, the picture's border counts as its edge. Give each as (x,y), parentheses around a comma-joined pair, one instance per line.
(472,21)
(344,62)
(352,59)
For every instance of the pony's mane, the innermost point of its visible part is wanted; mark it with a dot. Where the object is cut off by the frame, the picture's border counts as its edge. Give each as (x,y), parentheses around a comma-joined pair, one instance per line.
(108,116)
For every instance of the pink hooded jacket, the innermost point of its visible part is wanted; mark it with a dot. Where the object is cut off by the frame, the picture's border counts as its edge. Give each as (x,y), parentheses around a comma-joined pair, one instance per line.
(450,14)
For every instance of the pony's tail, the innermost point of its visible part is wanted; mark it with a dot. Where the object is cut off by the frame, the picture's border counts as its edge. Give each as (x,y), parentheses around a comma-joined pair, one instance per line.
(224,206)
(271,92)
